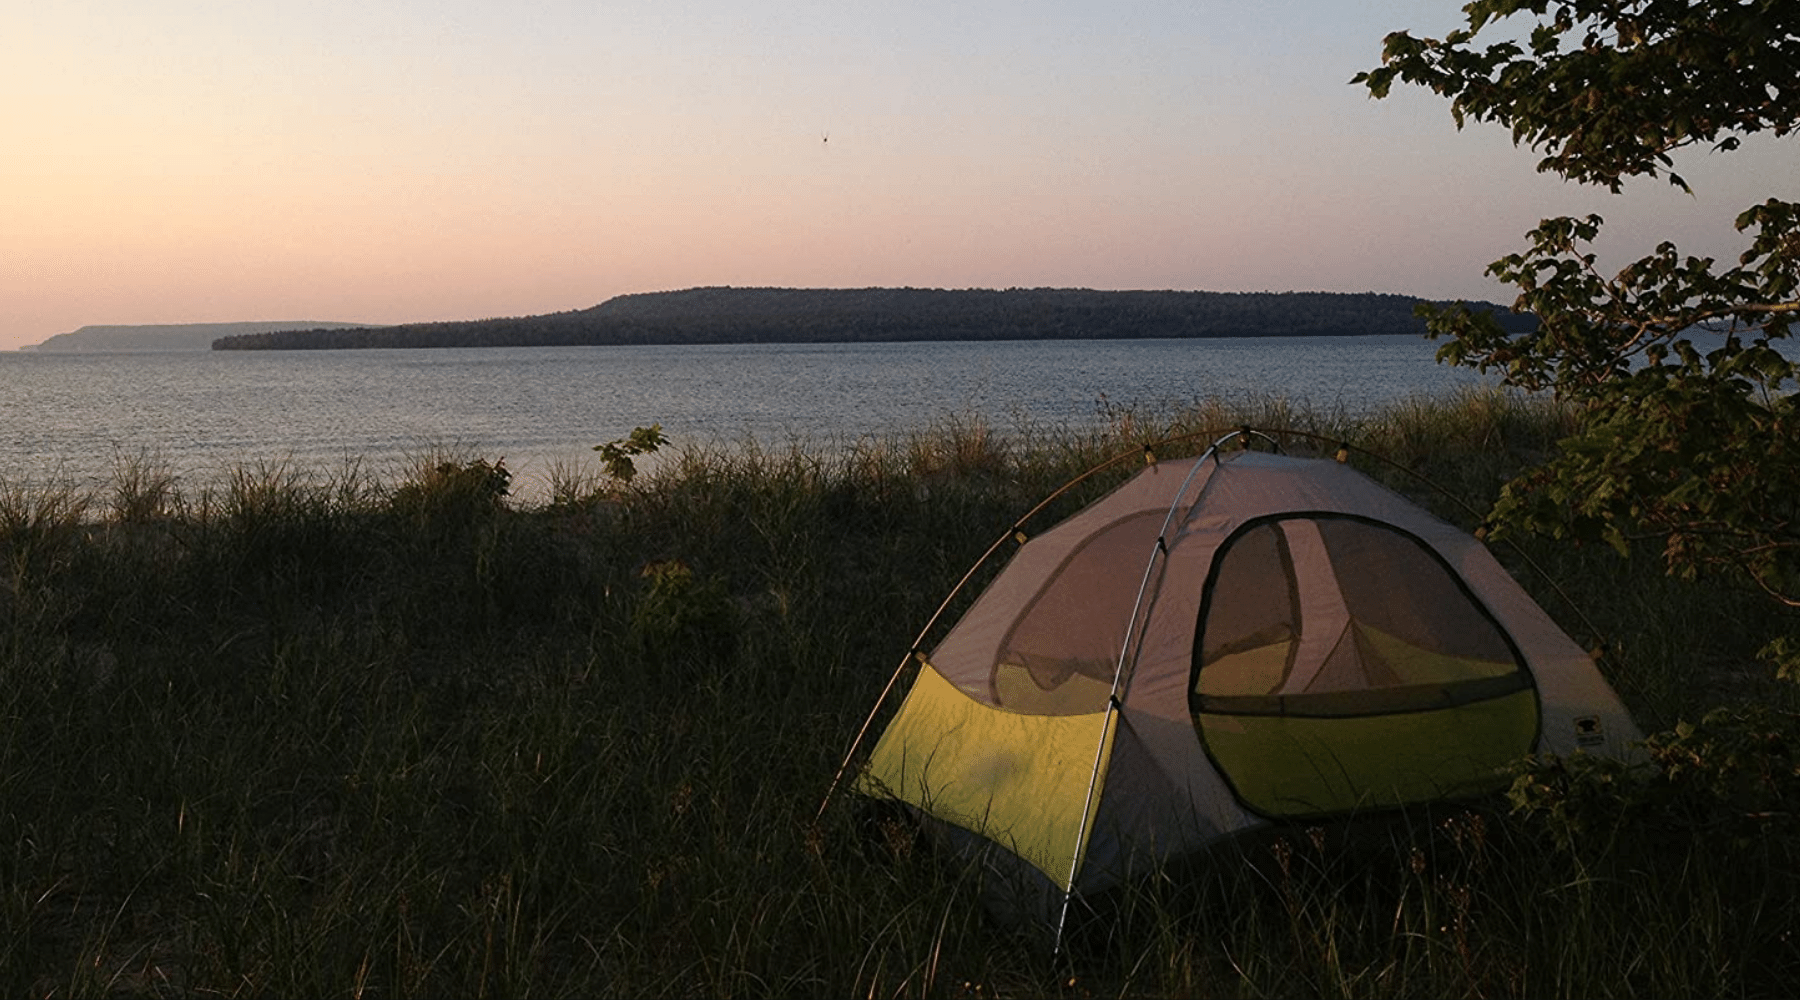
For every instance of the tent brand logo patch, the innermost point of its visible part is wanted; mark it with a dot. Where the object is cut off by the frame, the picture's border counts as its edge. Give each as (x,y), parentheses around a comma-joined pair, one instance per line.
(1588,732)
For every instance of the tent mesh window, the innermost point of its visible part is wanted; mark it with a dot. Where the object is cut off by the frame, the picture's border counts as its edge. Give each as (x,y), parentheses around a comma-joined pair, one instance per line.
(1340,663)
(1061,653)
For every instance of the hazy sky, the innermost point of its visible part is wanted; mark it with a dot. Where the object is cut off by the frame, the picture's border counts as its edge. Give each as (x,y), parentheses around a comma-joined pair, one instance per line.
(383,161)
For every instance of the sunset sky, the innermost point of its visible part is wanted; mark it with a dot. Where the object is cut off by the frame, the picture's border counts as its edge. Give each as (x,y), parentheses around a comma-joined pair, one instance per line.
(382,161)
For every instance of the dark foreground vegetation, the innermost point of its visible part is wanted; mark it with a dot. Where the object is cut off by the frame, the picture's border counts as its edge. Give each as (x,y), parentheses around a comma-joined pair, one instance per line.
(322,736)
(865,315)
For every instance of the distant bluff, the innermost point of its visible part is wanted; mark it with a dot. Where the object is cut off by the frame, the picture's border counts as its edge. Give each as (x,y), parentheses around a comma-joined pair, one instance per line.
(726,315)
(172,336)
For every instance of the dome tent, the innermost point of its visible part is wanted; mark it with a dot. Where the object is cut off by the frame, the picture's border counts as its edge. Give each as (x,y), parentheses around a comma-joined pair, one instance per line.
(1219,643)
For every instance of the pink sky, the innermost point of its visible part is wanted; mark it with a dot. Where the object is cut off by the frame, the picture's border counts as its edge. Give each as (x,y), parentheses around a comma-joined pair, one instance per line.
(179,162)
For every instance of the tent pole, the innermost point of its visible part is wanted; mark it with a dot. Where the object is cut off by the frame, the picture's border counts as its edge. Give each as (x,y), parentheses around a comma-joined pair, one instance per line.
(1114,701)
(1087,806)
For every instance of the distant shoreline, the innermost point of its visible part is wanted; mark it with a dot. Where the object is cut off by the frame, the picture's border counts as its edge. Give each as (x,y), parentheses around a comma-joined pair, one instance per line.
(876,315)
(168,337)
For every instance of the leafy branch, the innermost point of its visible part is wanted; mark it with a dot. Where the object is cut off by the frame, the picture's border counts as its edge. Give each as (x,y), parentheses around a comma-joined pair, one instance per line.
(1690,409)
(617,455)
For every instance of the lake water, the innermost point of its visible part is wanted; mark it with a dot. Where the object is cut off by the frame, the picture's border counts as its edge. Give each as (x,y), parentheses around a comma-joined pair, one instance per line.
(68,417)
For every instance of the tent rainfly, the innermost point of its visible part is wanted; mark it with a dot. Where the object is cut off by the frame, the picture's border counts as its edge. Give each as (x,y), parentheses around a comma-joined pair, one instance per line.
(1223,642)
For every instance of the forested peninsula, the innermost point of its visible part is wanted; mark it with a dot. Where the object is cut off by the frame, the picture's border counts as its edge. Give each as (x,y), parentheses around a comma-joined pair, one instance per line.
(726,315)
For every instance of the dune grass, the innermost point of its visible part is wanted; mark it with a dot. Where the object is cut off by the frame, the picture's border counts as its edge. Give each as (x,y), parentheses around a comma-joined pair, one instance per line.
(314,734)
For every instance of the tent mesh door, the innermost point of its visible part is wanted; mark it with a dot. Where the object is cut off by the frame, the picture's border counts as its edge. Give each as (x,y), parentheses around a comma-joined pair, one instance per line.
(1340,664)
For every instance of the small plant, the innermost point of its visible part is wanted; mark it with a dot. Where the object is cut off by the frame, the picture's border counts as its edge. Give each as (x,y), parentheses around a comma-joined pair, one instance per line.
(618,453)
(453,493)
(682,611)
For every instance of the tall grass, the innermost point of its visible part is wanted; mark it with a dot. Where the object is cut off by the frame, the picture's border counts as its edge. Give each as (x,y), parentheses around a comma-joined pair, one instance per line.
(322,735)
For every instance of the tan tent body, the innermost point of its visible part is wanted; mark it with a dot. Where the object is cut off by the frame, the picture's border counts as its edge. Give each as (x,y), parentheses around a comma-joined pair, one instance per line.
(1225,641)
